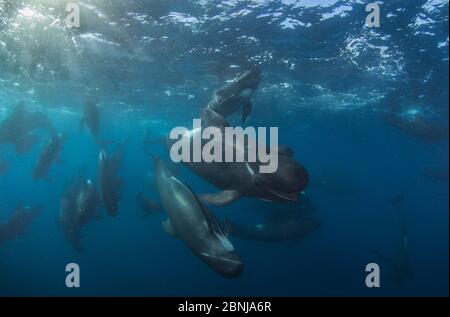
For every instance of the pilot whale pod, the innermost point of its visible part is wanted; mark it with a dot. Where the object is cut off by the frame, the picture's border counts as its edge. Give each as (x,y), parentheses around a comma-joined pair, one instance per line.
(190,221)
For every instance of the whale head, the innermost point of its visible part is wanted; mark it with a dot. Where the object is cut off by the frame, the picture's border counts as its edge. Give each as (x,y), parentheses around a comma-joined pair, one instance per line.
(250,79)
(286,183)
(227,264)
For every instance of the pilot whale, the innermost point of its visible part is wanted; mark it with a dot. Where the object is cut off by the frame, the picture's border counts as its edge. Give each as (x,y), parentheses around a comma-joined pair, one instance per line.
(49,155)
(399,261)
(18,223)
(237,179)
(416,126)
(19,127)
(78,206)
(235,95)
(190,221)
(290,224)
(405,111)
(91,118)
(110,183)
(292,230)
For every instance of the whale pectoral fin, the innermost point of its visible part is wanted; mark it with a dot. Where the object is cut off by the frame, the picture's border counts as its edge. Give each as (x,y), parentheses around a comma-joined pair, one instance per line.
(220,199)
(246,109)
(168,228)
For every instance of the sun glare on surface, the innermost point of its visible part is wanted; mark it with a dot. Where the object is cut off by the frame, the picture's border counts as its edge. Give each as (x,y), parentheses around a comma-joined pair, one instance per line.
(28,12)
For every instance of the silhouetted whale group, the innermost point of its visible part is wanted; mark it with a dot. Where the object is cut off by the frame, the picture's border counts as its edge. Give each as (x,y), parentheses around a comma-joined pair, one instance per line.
(189,219)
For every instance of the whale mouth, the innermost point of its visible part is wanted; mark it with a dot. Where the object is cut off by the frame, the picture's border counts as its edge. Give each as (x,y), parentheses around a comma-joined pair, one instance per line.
(284,196)
(221,258)
(288,196)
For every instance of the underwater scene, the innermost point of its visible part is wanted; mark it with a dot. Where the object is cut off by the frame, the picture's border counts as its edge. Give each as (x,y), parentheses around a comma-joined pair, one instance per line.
(224,148)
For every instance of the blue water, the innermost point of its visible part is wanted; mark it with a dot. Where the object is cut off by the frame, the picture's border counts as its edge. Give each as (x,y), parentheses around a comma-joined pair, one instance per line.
(155,64)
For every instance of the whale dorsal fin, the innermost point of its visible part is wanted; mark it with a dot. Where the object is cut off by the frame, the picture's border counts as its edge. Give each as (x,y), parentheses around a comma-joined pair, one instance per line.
(220,199)
(211,220)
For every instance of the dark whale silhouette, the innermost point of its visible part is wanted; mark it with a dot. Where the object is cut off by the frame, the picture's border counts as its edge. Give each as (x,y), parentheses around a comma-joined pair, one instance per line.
(399,261)
(416,126)
(18,222)
(79,205)
(19,127)
(109,181)
(288,230)
(91,118)
(50,154)
(236,94)
(403,109)
(290,224)
(194,224)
